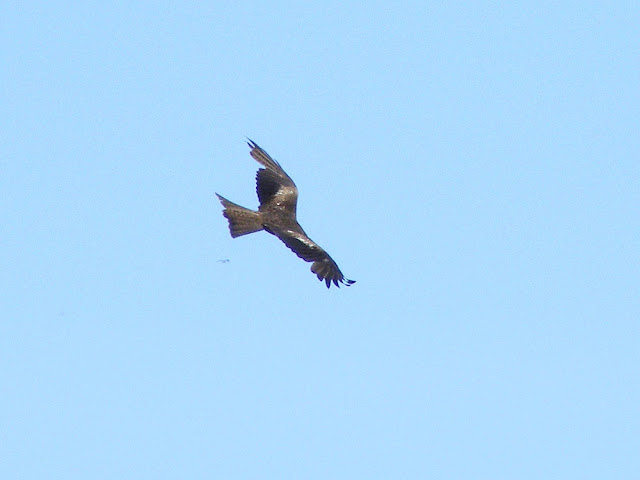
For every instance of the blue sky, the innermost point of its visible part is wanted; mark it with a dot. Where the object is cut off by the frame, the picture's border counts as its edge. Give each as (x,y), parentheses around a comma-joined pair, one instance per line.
(473,165)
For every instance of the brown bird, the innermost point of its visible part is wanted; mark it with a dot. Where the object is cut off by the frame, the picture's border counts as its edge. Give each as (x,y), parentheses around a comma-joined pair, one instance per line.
(278,197)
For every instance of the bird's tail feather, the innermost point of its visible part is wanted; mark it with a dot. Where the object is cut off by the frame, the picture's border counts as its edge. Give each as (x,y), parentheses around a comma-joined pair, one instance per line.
(241,220)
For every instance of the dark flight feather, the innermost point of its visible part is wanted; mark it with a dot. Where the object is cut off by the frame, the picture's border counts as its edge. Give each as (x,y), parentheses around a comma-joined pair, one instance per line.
(278,197)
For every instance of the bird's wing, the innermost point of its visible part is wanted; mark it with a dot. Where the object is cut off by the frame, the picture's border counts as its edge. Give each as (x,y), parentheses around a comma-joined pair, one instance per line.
(273,185)
(323,265)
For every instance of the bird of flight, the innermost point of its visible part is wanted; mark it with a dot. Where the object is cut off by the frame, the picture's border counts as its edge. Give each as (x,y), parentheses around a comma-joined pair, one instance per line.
(278,197)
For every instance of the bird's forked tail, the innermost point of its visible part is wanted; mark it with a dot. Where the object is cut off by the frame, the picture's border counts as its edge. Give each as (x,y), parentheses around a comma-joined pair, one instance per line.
(241,220)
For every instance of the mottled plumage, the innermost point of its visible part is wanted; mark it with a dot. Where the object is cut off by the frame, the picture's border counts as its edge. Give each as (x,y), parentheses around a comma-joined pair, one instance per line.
(278,197)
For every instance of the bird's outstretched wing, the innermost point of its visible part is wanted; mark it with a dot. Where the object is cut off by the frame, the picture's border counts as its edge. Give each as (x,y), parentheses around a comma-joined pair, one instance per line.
(323,265)
(273,186)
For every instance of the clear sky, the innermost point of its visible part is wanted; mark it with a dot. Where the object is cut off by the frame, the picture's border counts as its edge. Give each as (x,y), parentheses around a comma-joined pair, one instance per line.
(473,165)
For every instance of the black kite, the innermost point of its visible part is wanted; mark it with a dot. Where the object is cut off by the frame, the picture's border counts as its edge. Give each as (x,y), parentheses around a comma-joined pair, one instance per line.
(278,197)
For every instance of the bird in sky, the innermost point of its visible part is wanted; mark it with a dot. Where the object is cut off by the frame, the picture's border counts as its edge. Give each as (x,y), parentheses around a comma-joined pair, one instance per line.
(278,198)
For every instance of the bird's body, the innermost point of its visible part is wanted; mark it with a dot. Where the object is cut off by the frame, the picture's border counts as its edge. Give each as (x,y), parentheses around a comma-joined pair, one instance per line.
(278,197)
